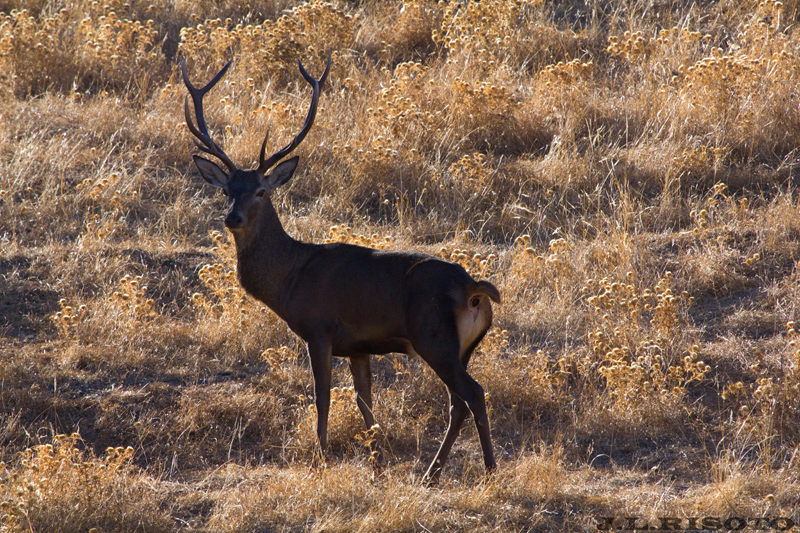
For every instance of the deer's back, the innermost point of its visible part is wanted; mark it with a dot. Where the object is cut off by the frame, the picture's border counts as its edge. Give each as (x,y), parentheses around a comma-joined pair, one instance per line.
(360,296)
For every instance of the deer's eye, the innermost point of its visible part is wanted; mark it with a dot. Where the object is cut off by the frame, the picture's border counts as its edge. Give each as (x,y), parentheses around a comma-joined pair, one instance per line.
(261,192)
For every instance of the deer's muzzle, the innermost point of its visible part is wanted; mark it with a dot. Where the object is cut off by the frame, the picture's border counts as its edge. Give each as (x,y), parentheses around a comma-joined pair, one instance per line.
(234,220)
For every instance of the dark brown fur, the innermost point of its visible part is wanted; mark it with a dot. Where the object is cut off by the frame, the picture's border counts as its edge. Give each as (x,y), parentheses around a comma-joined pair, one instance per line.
(350,301)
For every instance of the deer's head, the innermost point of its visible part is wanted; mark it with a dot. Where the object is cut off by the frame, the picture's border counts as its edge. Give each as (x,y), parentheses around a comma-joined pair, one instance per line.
(246,189)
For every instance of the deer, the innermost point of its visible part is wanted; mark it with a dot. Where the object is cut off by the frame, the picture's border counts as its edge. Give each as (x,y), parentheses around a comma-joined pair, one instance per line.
(344,300)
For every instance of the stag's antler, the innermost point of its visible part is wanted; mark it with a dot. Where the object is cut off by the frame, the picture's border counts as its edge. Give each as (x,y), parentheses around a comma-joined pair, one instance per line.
(316,87)
(201,131)
(210,147)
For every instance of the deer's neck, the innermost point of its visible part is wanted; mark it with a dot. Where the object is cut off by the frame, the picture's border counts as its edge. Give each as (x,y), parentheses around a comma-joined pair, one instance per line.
(267,258)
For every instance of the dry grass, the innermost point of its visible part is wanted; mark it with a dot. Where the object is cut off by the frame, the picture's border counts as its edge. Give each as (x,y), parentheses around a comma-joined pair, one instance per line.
(623,171)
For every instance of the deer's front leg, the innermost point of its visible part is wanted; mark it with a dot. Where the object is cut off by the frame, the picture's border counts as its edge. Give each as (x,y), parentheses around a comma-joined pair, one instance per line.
(362,383)
(319,352)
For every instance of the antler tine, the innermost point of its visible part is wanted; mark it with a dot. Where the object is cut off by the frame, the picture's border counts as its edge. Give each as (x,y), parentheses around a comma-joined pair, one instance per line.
(316,87)
(308,76)
(201,130)
(263,149)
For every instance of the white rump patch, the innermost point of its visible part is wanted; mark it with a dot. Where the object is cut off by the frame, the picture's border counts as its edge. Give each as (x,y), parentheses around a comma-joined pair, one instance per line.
(472,320)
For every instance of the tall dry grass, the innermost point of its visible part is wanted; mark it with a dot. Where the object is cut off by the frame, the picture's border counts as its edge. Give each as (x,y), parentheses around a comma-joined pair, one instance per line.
(624,172)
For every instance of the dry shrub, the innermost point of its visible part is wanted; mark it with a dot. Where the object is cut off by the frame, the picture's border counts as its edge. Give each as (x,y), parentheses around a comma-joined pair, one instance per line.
(118,50)
(344,233)
(477,264)
(721,95)
(717,91)
(19,33)
(554,269)
(82,46)
(486,33)
(407,35)
(389,146)
(87,163)
(641,347)
(124,316)
(475,181)
(59,487)
(641,358)
(303,498)
(476,115)
(719,262)
(763,412)
(481,115)
(396,144)
(286,366)
(270,48)
(637,370)
(563,93)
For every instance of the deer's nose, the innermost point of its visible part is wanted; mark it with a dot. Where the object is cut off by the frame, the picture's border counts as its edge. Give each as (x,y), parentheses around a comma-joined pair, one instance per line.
(234,221)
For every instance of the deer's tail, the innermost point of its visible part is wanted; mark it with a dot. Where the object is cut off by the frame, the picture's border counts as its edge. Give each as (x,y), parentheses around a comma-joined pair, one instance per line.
(484,287)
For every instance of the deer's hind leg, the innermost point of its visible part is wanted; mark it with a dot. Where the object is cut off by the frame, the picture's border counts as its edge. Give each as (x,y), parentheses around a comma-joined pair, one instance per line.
(435,337)
(458,412)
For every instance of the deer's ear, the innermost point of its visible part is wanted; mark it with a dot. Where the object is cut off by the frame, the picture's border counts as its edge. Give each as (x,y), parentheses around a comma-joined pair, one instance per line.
(211,172)
(281,174)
